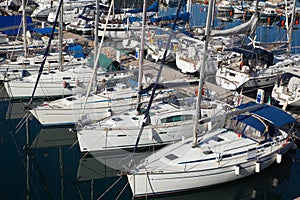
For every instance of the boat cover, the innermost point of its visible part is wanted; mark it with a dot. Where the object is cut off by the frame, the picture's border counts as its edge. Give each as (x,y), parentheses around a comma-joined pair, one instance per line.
(43,31)
(12,25)
(252,121)
(271,113)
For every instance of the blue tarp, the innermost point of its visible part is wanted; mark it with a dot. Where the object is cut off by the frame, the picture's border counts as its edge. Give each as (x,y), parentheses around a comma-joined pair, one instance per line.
(75,50)
(46,30)
(270,113)
(182,16)
(11,25)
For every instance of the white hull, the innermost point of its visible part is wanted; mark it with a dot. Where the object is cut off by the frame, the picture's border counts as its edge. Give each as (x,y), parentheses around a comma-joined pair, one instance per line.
(51,84)
(14,69)
(96,109)
(187,66)
(24,90)
(121,131)
(248,144)
(233,80)
(159,183)
(101,140)
(286,90)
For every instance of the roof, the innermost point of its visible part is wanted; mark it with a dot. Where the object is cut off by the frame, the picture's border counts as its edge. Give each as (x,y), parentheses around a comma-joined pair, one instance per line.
(271,113)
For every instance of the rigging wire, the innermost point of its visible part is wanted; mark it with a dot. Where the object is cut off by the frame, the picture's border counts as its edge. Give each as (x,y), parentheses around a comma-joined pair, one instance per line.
(146,115)
(46,52)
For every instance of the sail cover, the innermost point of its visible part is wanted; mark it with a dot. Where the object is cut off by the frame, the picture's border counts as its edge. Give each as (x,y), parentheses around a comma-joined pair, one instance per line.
(270,113)
(10,25)
(245,28)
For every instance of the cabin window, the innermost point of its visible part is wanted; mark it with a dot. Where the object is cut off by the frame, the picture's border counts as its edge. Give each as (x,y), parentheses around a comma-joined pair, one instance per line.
(52,61)
(52,72)
(231,74)
(71,99)
(117,119)
(110,89)
(176,118)
(267,79)
(66,78)
(226,156)
(207,152)
(162,133)
(45,73)
(134,118)
(252,133)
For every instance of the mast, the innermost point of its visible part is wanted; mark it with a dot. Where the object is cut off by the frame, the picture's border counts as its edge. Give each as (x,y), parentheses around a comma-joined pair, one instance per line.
(141,58)
(24,29)
(60,38)
(290,30)
(46,52)
(201,69)
(188,10)
(147,112)
(96,29)
(97,55)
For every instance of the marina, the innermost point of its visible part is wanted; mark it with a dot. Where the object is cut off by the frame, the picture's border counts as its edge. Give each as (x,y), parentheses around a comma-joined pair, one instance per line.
(126,121)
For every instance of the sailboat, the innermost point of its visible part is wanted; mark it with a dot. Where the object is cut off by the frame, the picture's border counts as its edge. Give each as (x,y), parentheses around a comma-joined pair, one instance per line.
(164,124)
(250,141)
(51,83)
(286,89)
(257,67)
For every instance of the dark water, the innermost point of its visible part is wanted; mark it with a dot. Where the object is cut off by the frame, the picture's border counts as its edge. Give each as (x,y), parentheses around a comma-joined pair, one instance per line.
(37,163)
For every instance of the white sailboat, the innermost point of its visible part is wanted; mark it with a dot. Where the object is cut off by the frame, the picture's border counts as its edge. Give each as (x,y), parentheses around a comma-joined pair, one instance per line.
(169,122)
(113,93)
(286,89)
(164,123)
(114,98)
(223,156)
(249,143)
(25,66)
(53,83)
(257,68)
(125,24)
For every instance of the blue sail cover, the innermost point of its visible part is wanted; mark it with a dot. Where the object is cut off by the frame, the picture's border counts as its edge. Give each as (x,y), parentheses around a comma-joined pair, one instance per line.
(11,25)
(182,16)
(151,8)
(44,31)
(271,113)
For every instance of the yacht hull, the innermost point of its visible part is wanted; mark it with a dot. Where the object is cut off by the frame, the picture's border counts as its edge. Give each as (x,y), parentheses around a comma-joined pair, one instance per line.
(158,183)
